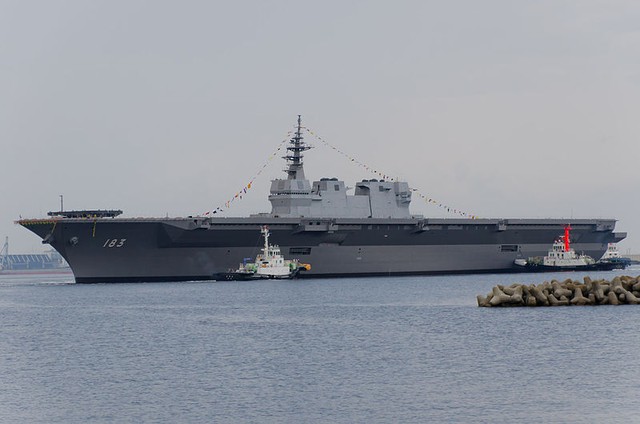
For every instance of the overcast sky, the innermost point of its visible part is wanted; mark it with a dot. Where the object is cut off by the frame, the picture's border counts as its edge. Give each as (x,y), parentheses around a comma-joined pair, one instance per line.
(496,108)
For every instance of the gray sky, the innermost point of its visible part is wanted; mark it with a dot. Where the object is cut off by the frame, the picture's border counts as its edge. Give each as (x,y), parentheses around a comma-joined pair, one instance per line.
(497,108)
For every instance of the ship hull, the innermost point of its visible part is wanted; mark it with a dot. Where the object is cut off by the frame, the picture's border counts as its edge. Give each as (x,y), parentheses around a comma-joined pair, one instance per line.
(600,266)
(184,249)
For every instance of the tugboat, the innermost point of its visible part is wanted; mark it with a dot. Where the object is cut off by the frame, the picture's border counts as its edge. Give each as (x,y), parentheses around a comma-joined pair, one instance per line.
(561,257)
(612,256)
(270,264)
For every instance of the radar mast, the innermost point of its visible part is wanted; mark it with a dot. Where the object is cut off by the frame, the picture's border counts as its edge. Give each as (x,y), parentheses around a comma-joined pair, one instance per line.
(295,171)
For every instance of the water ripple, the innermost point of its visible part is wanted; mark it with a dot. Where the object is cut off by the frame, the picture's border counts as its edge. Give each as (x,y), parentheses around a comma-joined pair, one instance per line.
(412,349)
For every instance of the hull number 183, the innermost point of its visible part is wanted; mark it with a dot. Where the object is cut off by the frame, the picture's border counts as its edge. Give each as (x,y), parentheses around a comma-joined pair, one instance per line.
(114,243)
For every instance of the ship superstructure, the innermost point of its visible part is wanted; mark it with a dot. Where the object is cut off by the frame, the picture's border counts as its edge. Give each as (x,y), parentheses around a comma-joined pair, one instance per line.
(296,197)
(369,232)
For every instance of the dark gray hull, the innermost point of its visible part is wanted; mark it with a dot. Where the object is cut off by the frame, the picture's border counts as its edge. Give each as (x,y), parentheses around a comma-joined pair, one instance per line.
(136,250)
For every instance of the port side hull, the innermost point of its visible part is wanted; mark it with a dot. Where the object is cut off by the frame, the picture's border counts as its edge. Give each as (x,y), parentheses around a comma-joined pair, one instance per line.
(125,250)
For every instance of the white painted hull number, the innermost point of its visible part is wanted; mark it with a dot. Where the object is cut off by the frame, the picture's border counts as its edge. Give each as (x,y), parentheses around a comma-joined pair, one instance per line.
(111,243)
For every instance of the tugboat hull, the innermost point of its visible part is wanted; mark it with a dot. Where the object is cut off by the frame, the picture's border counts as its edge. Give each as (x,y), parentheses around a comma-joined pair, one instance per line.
(545,268)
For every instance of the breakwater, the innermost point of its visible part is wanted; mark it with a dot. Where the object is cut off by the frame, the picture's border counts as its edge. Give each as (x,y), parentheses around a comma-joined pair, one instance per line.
(622,290)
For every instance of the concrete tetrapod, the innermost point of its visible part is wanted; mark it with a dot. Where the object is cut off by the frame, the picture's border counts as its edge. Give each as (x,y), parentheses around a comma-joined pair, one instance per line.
(621,290)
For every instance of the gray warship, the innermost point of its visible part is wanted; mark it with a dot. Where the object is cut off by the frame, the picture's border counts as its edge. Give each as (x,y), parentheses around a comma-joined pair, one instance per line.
(368,233)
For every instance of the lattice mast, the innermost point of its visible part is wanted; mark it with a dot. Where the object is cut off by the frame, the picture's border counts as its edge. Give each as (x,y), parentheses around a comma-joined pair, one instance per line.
(295,170)
(4,254)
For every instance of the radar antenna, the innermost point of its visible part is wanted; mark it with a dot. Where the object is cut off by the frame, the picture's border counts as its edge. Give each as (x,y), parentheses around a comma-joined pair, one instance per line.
(295,171)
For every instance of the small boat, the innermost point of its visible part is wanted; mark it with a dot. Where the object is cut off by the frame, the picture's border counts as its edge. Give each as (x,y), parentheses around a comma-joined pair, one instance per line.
(270,264)
(612,256)
(561,257)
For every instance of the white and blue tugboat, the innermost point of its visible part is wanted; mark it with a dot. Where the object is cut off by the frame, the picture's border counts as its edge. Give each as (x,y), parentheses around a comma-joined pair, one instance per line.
(270,264)
(612,257)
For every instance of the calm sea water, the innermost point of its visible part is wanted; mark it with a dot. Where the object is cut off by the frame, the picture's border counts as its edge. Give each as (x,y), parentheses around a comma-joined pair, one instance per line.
(396,349)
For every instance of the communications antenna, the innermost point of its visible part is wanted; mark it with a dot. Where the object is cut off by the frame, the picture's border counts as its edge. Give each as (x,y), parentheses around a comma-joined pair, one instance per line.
(295,171)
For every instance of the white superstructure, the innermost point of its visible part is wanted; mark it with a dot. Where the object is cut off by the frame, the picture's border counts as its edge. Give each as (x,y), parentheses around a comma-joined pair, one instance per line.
(611,253)
(270,263)
(560,257)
